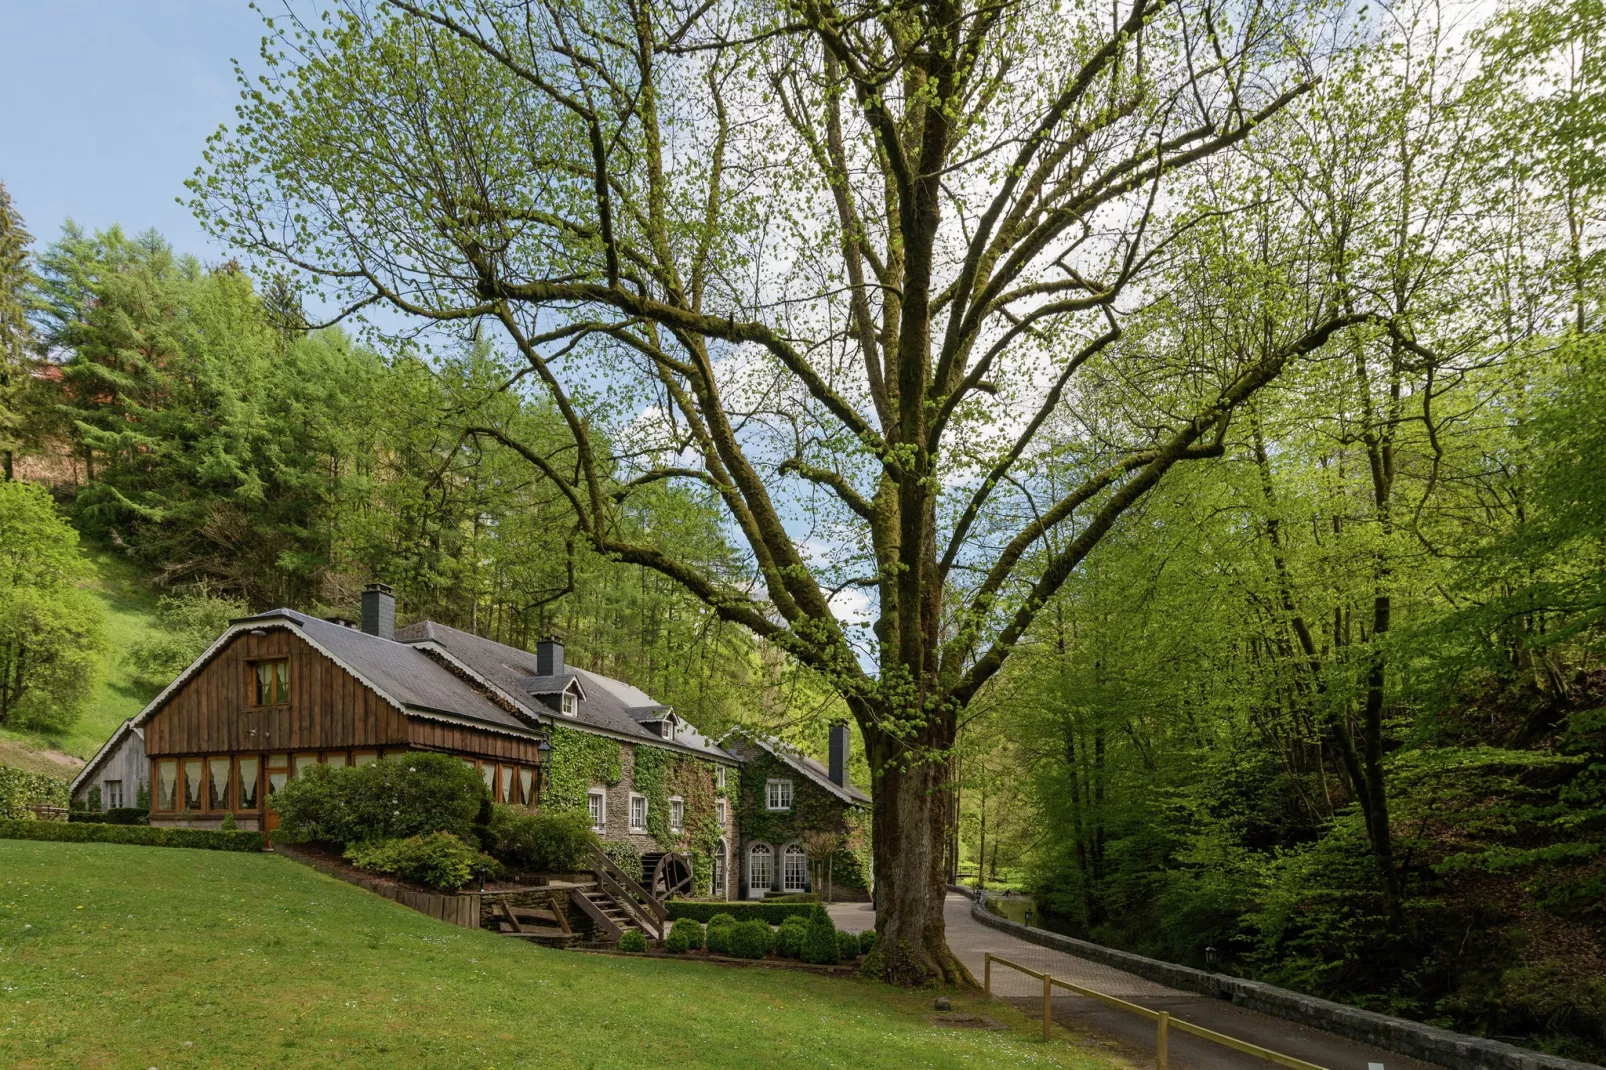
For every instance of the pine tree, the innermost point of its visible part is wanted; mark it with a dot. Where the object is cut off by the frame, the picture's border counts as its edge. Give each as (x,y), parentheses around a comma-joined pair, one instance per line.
(16,337)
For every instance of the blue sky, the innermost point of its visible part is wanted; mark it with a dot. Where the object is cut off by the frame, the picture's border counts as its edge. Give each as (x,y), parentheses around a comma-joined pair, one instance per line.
(105,108)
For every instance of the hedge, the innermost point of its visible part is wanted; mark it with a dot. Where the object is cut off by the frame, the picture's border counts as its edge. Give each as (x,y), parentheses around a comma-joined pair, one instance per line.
(773,913)
(133,835)
(117,815)
(20,789)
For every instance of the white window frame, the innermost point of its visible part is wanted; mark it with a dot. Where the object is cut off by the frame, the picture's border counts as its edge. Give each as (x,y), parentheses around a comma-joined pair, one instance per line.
(789,854)
(677,814)
(719,812)
(768,854)
(719,776)
(109,800)
(570,704)
(634,798)
(600,818)
(778,794)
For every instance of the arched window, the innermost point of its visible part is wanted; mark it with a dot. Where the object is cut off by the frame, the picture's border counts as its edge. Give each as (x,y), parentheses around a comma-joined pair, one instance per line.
(721,853)
(759,873)
(794,870)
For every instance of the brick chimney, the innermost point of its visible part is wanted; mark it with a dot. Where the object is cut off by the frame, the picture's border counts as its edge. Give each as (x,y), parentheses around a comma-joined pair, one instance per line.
(549,657)
(379,610)
(839,754)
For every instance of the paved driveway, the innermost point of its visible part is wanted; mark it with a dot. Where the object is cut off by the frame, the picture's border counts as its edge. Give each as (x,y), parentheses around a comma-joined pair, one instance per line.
(1132,1036)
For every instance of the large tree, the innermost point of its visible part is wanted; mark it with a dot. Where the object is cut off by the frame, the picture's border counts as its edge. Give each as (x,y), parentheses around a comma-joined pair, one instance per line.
(16,334)
(844,264)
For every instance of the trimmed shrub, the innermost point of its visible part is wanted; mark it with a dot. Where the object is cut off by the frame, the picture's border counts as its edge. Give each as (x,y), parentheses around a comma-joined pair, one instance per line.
(694,932)
(679,940)
(633,940)
(719,939)
(549,842)
(721,918)
(117,815)
(751,939)
(398,797)
(819,942)
(789,938)
(847,945)
(229,824)
(440,859)
(866,941)
(766,910)
(132,835)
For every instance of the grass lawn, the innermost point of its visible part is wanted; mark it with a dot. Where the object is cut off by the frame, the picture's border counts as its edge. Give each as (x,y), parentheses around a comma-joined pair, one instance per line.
(150,957)
(130,605)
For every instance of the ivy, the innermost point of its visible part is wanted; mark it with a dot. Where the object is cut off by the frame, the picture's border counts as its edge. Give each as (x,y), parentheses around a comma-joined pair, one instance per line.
(660,774)
(20,789)
(576,761)
(813,810)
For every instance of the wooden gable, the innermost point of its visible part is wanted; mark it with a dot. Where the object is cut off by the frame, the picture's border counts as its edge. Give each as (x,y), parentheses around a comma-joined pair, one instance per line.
(215,710)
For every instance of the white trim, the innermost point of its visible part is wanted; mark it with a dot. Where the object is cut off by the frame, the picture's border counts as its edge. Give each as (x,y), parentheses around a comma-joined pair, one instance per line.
(720,810)
(631,817)
(674,825)
(787,852)
(602,811)
(776,782)
(769,855)
(564,701)
(719,778)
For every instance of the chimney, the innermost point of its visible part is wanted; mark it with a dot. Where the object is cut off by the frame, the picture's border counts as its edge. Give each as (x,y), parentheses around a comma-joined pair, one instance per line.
(379,610)
(549,657)
(839,754)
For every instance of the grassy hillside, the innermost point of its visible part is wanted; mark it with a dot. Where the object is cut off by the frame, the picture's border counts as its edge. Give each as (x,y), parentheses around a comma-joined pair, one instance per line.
(132,956)
(130,615)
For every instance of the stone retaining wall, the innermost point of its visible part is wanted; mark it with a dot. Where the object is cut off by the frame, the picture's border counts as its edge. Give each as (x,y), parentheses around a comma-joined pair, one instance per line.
(1419,1041)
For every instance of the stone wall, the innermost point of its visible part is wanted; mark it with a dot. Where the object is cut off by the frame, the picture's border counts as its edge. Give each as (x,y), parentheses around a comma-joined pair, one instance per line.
(1398,1035)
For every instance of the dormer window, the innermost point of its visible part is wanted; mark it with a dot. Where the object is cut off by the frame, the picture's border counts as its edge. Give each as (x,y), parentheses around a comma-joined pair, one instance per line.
(571,704)
(666,729)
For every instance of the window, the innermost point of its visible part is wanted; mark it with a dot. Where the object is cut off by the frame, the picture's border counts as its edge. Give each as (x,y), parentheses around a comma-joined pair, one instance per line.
(167,784)
(337,760)
(194,773)
(364,757)
(247,783)
(526,785)
(305,760)
(597,800)
(666,729)
(638,813)
(677,813)
(719,812)
(718,880)
(571,704)
(273,682)
(509,785)
(278,772)
(719,777)
(112,793)
(778,794)
(758,867)
(488,774)
(219,798)
(794,870)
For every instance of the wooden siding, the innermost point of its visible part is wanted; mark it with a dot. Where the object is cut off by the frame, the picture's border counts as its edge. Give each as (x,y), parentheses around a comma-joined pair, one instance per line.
(126,763)
(215,712)
(430,734)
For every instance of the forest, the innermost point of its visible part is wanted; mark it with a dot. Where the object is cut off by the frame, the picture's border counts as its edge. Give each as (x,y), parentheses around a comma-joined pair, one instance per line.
(1174,440)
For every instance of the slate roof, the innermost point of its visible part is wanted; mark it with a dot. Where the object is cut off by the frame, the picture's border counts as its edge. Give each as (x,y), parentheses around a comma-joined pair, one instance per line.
(809,767)
(605,704)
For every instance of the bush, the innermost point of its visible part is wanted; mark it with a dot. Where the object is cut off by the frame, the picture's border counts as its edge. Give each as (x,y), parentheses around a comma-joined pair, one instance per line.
(117,815)
(622,853)
(132,835)
(751,939)
(789,938)
(719,939)
(440,859)
(394,798)
(847,945)
(94,799)
(20,789)
(548,842)
(694,932)
(633,940)
(767,910)
(866,941)
(720,919)
(679,941)
(819,942)
(229,824)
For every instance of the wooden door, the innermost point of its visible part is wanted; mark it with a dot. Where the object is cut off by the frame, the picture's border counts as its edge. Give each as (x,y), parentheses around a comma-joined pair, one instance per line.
(276,773)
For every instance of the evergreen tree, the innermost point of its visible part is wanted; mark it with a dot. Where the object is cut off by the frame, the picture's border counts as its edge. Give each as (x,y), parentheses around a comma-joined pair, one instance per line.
(16,335)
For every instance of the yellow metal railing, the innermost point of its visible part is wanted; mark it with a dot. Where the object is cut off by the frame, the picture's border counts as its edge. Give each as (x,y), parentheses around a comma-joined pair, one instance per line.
(1164,1023)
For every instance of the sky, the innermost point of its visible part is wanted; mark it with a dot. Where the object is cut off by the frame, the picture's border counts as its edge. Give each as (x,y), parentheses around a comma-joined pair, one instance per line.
(105,108)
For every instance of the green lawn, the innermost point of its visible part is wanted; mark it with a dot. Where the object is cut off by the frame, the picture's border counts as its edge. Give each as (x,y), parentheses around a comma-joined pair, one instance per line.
(148,957)
(130,615)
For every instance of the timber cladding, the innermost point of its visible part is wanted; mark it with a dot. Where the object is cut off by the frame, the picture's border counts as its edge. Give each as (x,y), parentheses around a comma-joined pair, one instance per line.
(215,710)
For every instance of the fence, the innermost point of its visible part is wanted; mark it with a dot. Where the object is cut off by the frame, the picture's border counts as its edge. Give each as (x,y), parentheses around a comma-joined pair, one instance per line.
(1162,1020)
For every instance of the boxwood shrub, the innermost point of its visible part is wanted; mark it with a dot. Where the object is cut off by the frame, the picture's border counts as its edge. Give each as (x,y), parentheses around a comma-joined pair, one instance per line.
(847,944)
(819,942)
(751,939)
(117,815)
(866,941)
(132,835)
(719,938)
(789,938)
(633,940)
(678,943)
(764,910)
(693,930)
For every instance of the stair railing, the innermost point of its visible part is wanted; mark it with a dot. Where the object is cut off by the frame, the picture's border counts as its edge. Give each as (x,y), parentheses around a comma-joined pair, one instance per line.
(634,895)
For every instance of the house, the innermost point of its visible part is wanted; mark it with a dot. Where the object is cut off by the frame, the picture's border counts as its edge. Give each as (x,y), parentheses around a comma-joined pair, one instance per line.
(119,769)
(282,690)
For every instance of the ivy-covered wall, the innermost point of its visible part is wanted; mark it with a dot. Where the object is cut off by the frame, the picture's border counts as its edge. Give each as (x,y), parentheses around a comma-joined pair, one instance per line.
(576,761)
(661,774)
(813,810)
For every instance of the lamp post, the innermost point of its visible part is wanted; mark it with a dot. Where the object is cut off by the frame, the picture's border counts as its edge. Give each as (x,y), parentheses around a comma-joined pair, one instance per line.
(1210,959)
